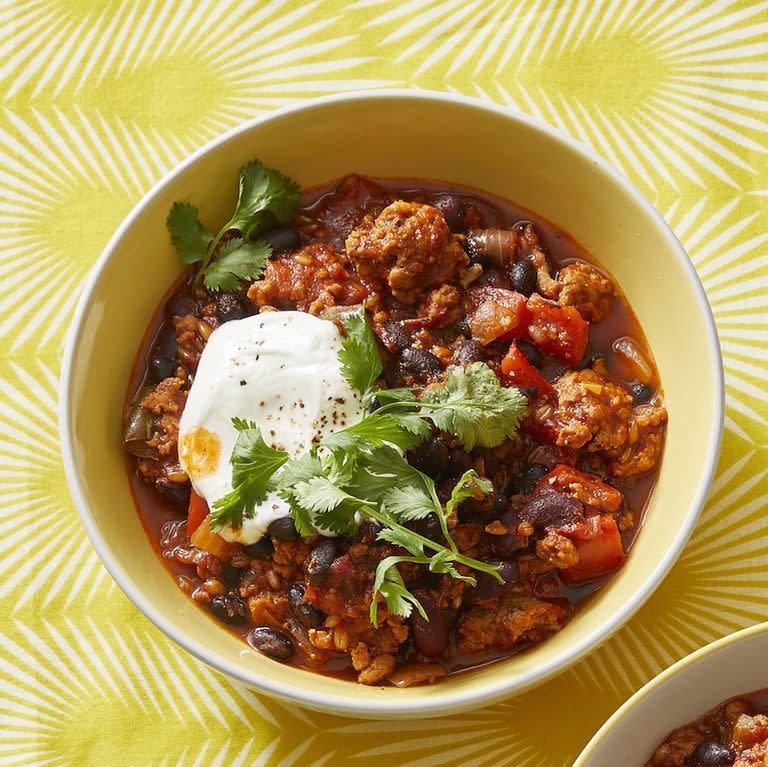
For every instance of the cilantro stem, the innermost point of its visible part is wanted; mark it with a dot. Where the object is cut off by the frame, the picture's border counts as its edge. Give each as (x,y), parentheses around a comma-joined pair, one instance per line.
(208,255)
(371,510)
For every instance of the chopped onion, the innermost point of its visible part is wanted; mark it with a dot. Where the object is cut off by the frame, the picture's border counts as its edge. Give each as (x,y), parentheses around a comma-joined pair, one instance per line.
(498,246)
(632,360)
(138,428)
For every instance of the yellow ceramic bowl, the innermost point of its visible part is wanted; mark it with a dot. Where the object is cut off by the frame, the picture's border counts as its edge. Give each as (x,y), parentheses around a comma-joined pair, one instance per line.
(411,134)
(732,666)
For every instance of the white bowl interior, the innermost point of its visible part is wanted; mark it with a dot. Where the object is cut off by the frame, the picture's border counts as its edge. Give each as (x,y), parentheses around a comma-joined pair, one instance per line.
(728,668)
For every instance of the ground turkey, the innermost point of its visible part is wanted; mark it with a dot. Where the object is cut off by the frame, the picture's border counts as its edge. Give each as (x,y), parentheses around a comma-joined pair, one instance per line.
(515,619)
(587,289)
(589,412)
(309,280)
(408,248)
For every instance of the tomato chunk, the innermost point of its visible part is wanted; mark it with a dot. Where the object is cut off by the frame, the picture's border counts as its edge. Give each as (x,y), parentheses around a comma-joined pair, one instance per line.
(198,511)
(599,545)
(494,321)
(204,538)
(560,331)
(517,371)
(584,487)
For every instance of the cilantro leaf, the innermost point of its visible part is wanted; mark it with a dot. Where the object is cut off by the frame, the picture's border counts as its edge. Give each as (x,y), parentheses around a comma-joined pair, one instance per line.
(378,430)
(441,563)
(387,396)
(359,353)
(297,472)
(389,583)
(408,503)
(383,469)
(266,197)
(333,508)
(188,235)
(413,423)
(253,465)
(399,536)
(236,261)
(473,406)
(468,484)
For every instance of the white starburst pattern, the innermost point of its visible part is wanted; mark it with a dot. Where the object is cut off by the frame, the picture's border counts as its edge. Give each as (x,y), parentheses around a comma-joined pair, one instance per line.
(194,69)
(59,680)
(728,245)
(39,533)
(671,93)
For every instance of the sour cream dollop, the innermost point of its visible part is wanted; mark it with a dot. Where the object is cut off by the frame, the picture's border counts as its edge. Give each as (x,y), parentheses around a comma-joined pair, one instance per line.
(278,369)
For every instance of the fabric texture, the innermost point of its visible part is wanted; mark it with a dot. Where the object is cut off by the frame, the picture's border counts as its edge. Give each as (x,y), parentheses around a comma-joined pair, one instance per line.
(101,99)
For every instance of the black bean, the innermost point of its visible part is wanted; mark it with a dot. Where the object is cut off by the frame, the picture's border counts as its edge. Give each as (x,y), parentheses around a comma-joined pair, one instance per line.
(429,527)
(552,370)
(547,507)
(394,336)
(270,642)
(531,353)
(231,576)
(641,393)
(230,609)
(161,367)
(420,363)
(283,529)
(500,503)
(230,307)
(710,753)
(176,494)
(452,208)
(468,352)
(431,457)
(506,546)
(320,561)
(459,462)
(473,509)
(306,612)
(296,595)
(488,587)
(179,306)
(262,549)
(373,404)
(282,239)
(462,327)
(369,528)
(522,276)
(166,342)
(531,476)
(430,635)
(589,360)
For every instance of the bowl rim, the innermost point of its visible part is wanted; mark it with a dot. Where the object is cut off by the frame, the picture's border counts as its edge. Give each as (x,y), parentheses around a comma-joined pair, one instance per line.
(662,678)
(392,705)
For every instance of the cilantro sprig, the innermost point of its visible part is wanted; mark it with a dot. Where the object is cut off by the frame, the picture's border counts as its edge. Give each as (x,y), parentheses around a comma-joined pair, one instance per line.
(266,198)
(361,470)
(254,464)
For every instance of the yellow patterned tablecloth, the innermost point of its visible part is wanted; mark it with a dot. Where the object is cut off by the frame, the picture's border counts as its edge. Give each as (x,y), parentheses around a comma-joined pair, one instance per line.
(101,97)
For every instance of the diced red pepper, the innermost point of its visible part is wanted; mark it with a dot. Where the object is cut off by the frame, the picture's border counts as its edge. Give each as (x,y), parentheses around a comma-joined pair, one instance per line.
(559,331)
(584,487)
(599,545)
(517,371)
(198,511)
